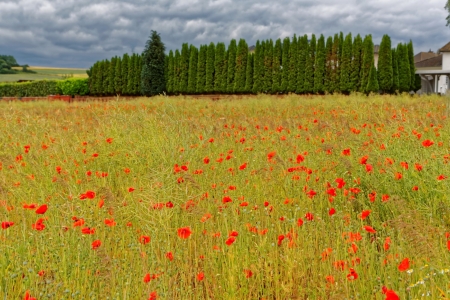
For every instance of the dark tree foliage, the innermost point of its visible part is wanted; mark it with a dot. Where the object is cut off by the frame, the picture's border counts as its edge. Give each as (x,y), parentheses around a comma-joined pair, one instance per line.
(176,72)
(258,68)
(109,85)
(285,65)
(193,64)
(412,66)
(372,84)
(404,71)
(309,68)
(170,69)
(293,65)
(231,62)
(219,68)
(201,69)
(249,74)
(124,69)
(368,61)
(356,63)
(152,73)
(319,66)
(395,83)
(268,66)
(385,70)
(335,65)
(210,58)
(118,77)
(346,65)
(277,69)
(303,51)
(139,63)
(241,66)
(184,68)
(328,81)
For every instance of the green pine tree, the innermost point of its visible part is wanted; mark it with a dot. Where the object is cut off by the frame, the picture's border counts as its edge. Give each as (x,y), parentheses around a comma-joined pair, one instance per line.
(372,84)
(385,71)
(249,74)
(368,61)
(277,69)
(293,65)
(241,66)
(118,77)
(110,78)
(153,80)
(309,68)
(201,69)
(335,65)
(176,72)
(219,65)
(124,68)
(404,70)
(231,62)
(345,79)
(170,69)
(320,66)
(395,83)
(184,68)
(285,65)
(412,67)
(193,64)
(139,75)
(210,57)
(356,63)
(258,68)
(224,83)
(328,82)
(303,51)
(268,66)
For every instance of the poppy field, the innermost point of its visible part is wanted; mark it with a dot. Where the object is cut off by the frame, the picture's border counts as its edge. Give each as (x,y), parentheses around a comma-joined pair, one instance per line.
(299,197)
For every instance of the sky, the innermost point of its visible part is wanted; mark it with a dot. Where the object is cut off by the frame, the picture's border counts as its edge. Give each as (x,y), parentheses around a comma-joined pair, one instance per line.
(77,33)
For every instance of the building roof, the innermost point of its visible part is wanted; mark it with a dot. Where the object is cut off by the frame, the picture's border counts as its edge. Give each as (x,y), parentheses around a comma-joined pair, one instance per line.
(432,62)
(446,48)
(424,55)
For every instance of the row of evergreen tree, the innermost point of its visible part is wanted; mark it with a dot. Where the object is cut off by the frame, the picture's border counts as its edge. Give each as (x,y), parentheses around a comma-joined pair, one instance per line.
(298,65)
(120,75)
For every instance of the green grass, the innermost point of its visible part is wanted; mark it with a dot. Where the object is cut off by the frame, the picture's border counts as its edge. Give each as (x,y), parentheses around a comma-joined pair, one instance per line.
(222,150)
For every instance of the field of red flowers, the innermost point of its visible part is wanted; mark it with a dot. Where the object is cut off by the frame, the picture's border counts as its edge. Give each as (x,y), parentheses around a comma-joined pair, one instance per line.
(324,197)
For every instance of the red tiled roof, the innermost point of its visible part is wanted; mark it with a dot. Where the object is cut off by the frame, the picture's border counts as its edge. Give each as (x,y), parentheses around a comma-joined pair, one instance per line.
(430,63)
(446,48)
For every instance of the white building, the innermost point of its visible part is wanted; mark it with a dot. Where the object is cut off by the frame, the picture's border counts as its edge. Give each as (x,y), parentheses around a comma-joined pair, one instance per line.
(434,70)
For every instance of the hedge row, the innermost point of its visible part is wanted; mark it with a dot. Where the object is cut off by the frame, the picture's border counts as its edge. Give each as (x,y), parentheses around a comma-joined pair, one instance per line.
(44,88)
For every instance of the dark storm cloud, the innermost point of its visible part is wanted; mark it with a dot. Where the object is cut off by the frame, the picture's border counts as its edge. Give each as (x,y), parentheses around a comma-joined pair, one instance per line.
(76,33)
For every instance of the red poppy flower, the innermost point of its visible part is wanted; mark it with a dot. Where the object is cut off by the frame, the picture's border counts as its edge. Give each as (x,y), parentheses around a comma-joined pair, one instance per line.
(427,143)
(331,212)
(39,225)
(448,245)
(404,265)
(385,198)
(169,256)
(96,244)
(369,229)
(309,216)
(200,276)
(418,167)
(230,240)
(6,225)
(390,294)
(280,239)
(311,194)
(271,155)
(441,177)
(110,222)
(131,189)
(363,160)
(387,244)
(346,152)
(300,158)
(184,232)
(153,296)
(299,222)
(365,214)
(144,239)
(415,188)
(226,199)
(147,278)
(109,140)
(340,183)
(352,275)
(29,206)
(248,273)
(42,209)
(331,192)
(369,168)
(28,297)
(87,230)
(243,166)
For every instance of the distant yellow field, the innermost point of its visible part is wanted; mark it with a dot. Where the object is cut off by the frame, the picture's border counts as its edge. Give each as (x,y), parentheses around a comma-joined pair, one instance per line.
(44,73)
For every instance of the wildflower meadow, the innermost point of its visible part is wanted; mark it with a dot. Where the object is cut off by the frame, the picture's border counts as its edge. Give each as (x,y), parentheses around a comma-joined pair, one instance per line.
(252,197)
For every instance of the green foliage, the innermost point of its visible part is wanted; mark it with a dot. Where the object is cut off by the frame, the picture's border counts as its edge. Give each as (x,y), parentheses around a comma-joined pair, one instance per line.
(309,66)
(328,83)
(109,77)
(231,64)
(73,86)
(201,69)
(418,82)
(176,72)
(6,64)
(30,89)
(124,69)
(356,63)
(293,65)
(335,65)
(412,66)
(249,74)
(193,64)
(210,59)
(130,75)
(184,68)
(285,65)
(404,71)
(368,61)
(303,50)
(277,69)
(258,68)
(345,80)
(118,77)
(153,60)
(385,68)
(320,66)
(268,66)
(241,66)
(220,68)
(395,83)
(372,84)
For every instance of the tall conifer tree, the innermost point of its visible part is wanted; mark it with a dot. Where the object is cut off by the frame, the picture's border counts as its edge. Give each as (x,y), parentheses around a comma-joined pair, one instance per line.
(110,77)
(372,84)
(346,65)
(176,72)
(368,61)
(210,57)
(293,65)
(231,62)
(404,70)
(385,71)
(184,68)
(249,74)
(356,63)
(170,69)
(309,68)
(277,69)
(124,68)
(193,64)
(258,68)
(153,81)
(412,67)
(319,66)
(241,66)
(395,83)
(328,82)
(219,65)
(118,77)
(285,65)
(268,66)
(201,69)
(303,51)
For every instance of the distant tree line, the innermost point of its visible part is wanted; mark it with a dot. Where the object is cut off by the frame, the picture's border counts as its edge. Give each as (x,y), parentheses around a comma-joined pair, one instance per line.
(302,65)
(8,62)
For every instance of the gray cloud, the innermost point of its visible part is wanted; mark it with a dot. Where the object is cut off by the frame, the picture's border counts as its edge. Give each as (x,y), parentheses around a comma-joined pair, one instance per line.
(76,33)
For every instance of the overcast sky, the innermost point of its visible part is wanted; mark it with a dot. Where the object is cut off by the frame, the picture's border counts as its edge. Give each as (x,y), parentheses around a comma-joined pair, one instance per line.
(76,33)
